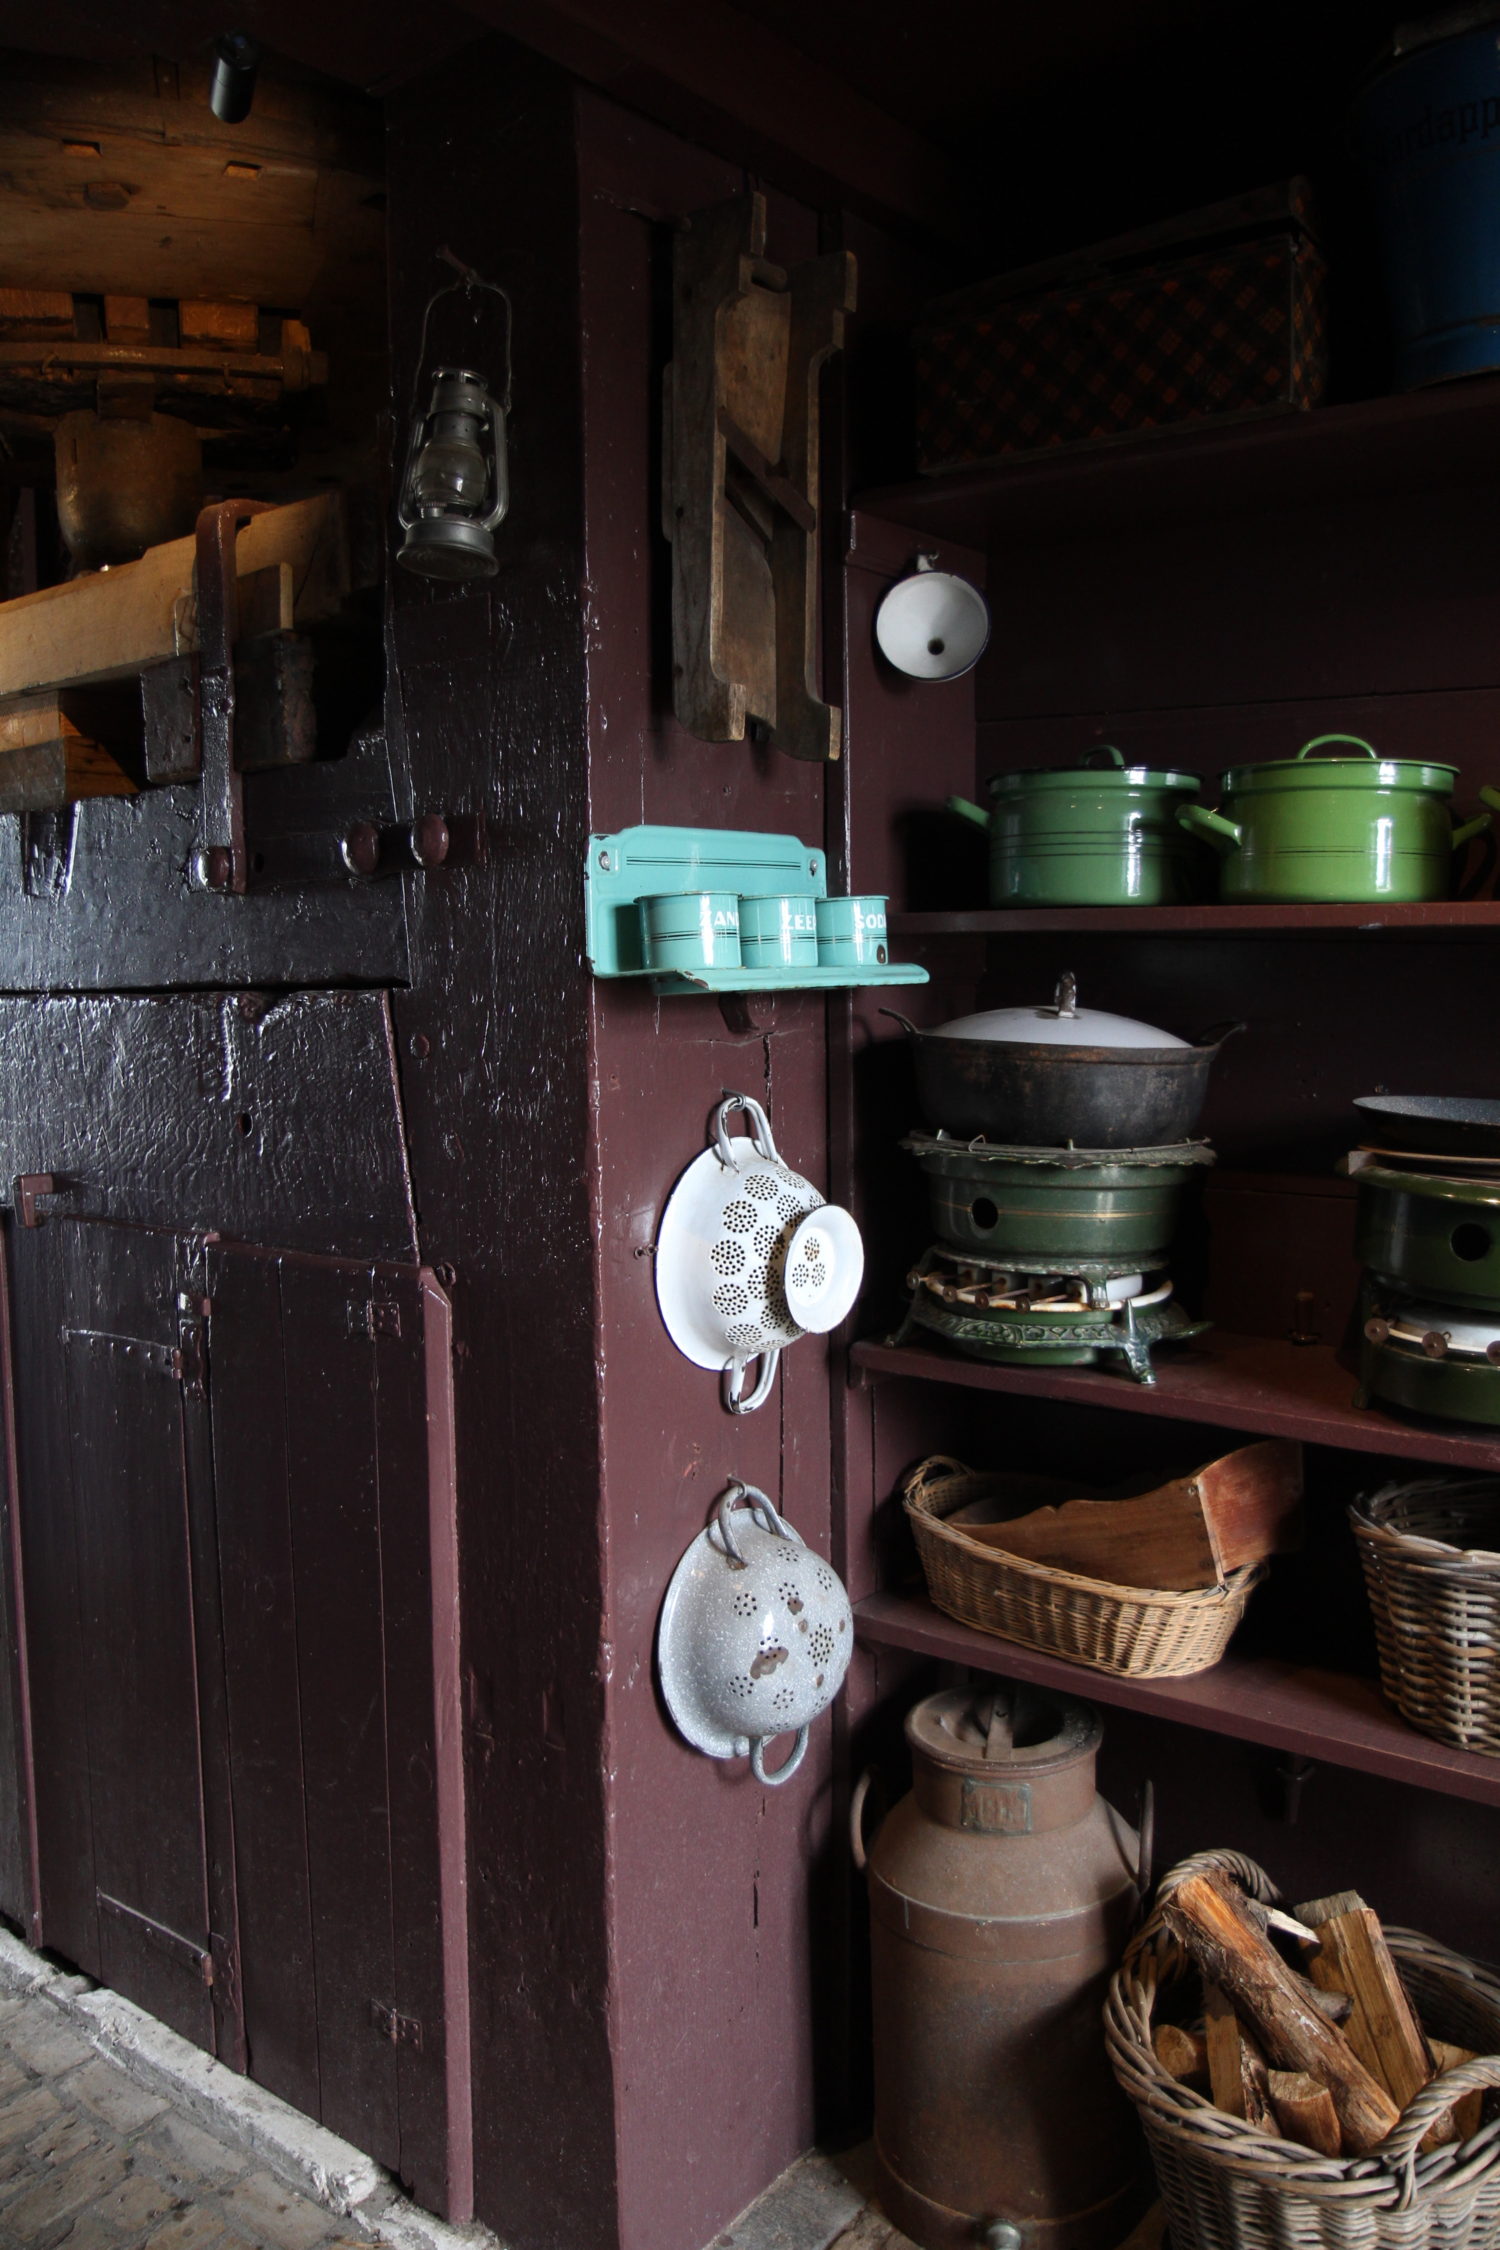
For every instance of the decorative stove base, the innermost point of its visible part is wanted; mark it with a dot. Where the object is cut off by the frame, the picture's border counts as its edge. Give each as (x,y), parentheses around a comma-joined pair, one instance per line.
(1069,1337)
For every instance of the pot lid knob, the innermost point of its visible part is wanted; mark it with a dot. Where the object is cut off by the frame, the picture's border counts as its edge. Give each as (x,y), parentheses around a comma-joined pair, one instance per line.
(1065,998)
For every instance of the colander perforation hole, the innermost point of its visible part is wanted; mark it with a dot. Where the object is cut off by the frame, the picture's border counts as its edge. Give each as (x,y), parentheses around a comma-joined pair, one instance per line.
(740,1216)
(762,1186)
(827,1583)
(805,1277)
(727,1257)
(741,1686)
(820,1647)
(788,1591)
(745,1603)
(765,1241)
(790,1206)
(783,1699)
(747,1334)
(729,1297)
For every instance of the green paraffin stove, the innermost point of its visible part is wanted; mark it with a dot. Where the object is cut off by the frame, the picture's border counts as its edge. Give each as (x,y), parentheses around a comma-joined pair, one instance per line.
(1430,1311)
(1051,1257)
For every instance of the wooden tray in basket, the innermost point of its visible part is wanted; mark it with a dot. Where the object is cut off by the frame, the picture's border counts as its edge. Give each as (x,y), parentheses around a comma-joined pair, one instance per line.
(1129,1630)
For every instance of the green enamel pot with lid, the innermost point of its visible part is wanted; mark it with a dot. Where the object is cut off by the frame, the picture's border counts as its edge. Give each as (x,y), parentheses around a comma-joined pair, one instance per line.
(1335,830)
(1102,833)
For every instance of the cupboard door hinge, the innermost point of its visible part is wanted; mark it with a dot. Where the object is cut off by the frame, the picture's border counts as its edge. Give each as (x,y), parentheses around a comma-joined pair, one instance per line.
(138,1351)
(374,1316)
(183,1952)
(402,2031)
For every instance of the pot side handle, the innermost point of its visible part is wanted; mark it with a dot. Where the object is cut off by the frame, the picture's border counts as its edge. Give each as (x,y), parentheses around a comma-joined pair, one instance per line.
(1213,828)
(968,811)
(1468,829)
(1217,1033)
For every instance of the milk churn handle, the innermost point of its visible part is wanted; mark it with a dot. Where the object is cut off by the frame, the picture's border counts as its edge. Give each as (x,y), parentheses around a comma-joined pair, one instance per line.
(857,1818)
(760,1130)
(1146,1851)
(783,1772)
(760,1506)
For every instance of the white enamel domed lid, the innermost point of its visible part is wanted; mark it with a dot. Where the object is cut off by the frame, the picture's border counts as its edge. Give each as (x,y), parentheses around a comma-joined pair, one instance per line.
(1063,1024)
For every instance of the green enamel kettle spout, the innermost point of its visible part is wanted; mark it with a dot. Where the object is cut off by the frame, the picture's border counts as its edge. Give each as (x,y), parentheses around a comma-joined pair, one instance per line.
(1341,830)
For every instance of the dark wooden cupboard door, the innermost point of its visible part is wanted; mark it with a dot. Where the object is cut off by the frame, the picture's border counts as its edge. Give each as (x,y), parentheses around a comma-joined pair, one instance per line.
(112,1519)
(227,1523)
(319,1401)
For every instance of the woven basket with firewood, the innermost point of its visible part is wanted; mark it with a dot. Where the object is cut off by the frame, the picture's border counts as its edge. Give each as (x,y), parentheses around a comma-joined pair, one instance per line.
(1333,2106)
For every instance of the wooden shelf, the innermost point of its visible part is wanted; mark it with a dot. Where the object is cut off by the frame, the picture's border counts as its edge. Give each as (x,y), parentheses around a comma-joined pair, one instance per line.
(1255,1383)
(1431,918)
(1448,434)
(1326,1715)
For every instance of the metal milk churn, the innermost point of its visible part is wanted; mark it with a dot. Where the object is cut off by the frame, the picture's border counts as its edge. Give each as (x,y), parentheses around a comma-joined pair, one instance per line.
(1002,1890)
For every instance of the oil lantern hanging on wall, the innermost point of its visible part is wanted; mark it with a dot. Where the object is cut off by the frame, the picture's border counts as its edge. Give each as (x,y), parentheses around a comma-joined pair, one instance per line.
(455,487)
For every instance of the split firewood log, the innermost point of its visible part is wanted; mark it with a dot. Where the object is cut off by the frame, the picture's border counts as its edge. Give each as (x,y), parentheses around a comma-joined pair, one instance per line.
(1207,1912)
(1305,2111)
(1182,2054)
(1236,2066)
(1467,2115)
(1382,2026)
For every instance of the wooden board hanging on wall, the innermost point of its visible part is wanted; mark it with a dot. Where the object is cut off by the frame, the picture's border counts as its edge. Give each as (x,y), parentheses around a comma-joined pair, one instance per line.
(741,479)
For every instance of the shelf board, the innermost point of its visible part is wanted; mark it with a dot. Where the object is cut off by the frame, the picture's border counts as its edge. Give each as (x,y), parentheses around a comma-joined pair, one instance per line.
(1255,1383)
(1435,918)
(1212,467)
(1325,1715)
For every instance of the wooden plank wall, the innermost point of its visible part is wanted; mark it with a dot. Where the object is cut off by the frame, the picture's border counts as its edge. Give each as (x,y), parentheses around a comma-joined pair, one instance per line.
(712,1879)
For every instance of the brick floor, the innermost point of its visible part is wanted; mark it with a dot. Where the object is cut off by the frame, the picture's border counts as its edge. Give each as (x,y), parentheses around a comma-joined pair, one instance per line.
(90,2161)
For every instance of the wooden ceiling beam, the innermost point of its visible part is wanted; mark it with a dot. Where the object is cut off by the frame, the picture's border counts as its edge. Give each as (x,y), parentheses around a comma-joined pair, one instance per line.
(711,72)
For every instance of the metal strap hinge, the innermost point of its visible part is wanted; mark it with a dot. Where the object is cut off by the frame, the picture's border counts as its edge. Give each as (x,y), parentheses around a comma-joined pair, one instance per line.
(374,1316)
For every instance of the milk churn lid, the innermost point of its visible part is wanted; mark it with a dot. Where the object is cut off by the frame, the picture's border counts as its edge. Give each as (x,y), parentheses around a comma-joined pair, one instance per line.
(992,1729)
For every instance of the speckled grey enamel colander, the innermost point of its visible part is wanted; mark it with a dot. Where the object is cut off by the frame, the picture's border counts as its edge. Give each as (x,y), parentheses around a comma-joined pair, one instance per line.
(755,1635)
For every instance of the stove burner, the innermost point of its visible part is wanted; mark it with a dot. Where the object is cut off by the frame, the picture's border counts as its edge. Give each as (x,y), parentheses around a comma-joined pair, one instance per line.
(1013,1313)
(1430,1358)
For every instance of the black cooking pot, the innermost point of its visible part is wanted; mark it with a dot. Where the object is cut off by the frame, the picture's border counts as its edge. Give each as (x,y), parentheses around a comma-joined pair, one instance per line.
(1062,1076)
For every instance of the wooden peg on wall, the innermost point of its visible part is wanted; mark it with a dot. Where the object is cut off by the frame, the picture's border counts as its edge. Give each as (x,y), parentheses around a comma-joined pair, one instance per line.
(741,479)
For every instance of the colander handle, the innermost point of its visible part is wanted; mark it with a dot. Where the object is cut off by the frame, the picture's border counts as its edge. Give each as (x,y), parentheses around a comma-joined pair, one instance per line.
(783,1772)
(732,1379)
(759,1505)
(760,1130)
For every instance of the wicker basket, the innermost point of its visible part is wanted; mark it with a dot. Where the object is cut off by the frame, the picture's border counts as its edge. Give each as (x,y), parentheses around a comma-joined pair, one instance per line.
(1435,1592)
(1227,2186)
(1123,1629)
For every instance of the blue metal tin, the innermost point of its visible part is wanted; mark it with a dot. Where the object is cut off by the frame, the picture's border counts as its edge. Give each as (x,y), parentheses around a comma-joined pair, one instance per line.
(691,930)
(779,932)
(1428,126)
(851,932)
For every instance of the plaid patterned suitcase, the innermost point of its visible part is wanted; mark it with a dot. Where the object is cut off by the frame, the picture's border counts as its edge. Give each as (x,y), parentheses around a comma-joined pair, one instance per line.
(1238,326)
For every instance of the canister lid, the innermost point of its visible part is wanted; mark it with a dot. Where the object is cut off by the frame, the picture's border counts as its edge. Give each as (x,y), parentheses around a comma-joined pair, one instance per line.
(1006,1728)
(1365,770)
(1031,780)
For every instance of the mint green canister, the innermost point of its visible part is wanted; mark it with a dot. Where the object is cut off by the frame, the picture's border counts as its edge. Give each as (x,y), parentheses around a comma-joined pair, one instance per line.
(1340,830)
(1102,833)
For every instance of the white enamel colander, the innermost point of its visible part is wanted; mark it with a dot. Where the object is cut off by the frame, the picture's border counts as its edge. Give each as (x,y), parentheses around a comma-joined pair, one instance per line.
(755,1635)
(749,1257)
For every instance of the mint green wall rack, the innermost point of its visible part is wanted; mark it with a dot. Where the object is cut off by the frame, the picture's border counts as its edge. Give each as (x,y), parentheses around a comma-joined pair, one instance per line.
(646,862)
